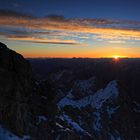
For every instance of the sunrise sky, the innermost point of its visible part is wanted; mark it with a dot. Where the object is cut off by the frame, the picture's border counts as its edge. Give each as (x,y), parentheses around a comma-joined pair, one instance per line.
(71,28)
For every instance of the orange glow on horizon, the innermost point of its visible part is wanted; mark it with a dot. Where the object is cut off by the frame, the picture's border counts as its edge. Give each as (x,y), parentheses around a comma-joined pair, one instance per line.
(118,57)
(82,52)
(35,55)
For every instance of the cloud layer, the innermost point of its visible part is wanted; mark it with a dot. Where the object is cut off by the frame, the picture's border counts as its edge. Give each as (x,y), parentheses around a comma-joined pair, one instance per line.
(56,29)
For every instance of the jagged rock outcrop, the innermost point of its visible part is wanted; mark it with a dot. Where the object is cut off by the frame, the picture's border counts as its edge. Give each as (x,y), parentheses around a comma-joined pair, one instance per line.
(15,90)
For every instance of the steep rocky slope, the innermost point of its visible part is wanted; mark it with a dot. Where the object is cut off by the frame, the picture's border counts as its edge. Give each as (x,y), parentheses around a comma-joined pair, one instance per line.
(15,89)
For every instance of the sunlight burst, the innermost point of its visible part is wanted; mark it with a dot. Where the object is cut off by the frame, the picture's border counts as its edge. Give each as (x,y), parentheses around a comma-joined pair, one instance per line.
(116,57)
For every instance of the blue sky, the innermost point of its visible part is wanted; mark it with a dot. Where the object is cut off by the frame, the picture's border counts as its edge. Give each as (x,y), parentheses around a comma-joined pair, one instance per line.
(121,9)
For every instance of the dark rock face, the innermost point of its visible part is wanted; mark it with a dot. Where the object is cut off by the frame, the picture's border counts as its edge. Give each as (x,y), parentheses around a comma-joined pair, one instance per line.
(15,89)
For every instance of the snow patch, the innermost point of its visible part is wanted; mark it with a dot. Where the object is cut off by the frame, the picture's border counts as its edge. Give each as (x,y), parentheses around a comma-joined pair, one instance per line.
(111,110)
(96,100)
(85,85)
(112,137)
(41,118)
(74,125)
(59,125)
(97,123)
(6,135)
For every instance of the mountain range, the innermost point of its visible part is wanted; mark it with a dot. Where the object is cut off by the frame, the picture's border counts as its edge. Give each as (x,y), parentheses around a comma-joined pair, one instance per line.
(68,99)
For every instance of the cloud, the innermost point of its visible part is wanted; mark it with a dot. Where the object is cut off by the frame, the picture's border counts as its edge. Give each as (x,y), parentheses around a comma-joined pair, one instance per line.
(117,41)
(55,17)
(11,13)
(29,28)
(41,40)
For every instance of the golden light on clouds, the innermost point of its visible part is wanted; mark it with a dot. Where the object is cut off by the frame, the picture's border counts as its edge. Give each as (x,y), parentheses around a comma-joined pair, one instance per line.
(42,40)
(73,37)
(70,26)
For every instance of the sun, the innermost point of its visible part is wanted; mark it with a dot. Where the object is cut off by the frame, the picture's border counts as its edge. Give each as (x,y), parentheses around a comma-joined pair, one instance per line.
(116,57)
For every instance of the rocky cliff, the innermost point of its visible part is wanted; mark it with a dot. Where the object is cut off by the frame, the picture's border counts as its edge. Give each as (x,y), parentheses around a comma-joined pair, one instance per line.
(15,90)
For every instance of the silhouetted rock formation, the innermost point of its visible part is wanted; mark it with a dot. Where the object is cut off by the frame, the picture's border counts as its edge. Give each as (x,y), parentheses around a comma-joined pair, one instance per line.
(15,89)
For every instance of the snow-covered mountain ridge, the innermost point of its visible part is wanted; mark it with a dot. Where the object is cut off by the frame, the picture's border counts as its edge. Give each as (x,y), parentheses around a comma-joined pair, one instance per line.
(96,100)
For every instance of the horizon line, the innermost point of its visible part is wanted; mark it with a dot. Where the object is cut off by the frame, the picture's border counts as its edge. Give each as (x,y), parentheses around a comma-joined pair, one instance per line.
(80,57)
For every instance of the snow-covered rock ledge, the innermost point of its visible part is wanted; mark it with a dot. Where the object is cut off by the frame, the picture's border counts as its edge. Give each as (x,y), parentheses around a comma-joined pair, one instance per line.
(96,100)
